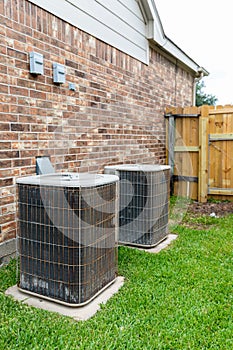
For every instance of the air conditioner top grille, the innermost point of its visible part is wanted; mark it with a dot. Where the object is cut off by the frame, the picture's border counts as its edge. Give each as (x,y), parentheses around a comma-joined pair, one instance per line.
(69,180)
(138,167)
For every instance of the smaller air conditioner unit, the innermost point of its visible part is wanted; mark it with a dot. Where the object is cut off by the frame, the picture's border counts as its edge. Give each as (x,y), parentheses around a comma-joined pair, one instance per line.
(144,203)
(67,235)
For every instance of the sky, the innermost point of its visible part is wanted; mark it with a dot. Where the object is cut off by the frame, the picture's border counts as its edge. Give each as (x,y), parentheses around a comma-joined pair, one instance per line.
(203,30)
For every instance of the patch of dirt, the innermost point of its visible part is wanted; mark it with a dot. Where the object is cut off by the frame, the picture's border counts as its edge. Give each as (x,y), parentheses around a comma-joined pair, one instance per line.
(220,209)
(199,216)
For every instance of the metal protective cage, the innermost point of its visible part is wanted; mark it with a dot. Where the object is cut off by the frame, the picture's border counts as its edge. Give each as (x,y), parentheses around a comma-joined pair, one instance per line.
(144,203)
(67,235)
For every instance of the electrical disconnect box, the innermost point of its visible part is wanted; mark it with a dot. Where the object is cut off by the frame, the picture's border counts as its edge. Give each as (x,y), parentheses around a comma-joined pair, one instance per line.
(59,74)
(36,63)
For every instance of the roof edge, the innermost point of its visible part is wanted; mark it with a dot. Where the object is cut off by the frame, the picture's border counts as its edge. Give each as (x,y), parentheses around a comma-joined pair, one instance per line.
(156,34)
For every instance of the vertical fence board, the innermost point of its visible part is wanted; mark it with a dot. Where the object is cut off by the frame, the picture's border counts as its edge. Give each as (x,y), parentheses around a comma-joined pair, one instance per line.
(221,151)
(213,153)
(171,142)
(203,155)
(185,151)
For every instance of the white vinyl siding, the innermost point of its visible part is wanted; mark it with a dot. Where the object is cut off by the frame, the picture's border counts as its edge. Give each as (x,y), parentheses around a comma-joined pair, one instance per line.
(118,23)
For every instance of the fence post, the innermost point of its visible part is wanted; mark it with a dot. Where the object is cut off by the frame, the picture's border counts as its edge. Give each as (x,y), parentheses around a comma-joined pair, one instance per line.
(203,155)
(171,145)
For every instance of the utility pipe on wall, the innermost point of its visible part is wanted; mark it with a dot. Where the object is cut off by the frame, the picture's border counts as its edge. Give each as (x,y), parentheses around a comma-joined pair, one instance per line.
(199,75)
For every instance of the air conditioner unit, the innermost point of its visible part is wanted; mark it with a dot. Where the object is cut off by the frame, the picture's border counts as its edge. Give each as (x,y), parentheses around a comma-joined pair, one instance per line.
(67,235)
(144,203)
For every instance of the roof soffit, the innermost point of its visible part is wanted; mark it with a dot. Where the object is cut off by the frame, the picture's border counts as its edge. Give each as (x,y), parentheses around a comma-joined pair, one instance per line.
(155,33)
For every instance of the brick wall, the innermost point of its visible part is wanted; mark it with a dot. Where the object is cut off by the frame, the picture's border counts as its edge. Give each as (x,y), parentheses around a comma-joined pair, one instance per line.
(114,116)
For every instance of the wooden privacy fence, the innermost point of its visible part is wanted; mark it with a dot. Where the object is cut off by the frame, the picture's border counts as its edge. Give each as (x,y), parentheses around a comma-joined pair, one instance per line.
(200,151)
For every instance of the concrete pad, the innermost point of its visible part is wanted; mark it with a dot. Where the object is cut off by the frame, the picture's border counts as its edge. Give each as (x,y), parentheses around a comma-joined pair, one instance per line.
(80,313)
(7,251)
(162,245)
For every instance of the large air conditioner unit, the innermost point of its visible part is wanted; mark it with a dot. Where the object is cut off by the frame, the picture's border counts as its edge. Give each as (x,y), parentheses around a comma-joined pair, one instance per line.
(67,235)
(144,203)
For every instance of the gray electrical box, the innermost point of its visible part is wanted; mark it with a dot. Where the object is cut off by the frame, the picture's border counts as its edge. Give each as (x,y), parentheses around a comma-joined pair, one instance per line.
(72,87)
(44,166)
(59,74)
(36,63)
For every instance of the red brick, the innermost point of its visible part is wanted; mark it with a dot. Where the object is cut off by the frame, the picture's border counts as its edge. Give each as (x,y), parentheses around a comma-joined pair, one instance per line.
(21,12)
(9,154)
(28,171)
(5,145)
(21,109)
(9,135)
(43,87)
(19,91)
(26,83)
(5,164)
(29,153)
(8,235)
(20,127)
(38,94)
(8,209)
(4,126)
(9,173)
(9,117)
(17,54)
(44,104)
(6,182)
(38,128)
(16,36)
(7,200)
(10,223)
(21,162)
(28,136)
(3,69)
(27,119)
(3,88)
(2,8)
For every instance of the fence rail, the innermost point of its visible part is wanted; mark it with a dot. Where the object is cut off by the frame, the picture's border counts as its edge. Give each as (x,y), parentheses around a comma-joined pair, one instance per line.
(200,151)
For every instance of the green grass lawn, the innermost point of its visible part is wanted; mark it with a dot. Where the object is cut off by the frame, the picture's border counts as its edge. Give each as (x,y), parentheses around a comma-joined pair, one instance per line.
(181,298)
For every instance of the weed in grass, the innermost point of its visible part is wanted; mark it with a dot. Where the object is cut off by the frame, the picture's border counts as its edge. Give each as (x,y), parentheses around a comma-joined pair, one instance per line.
(202,222)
